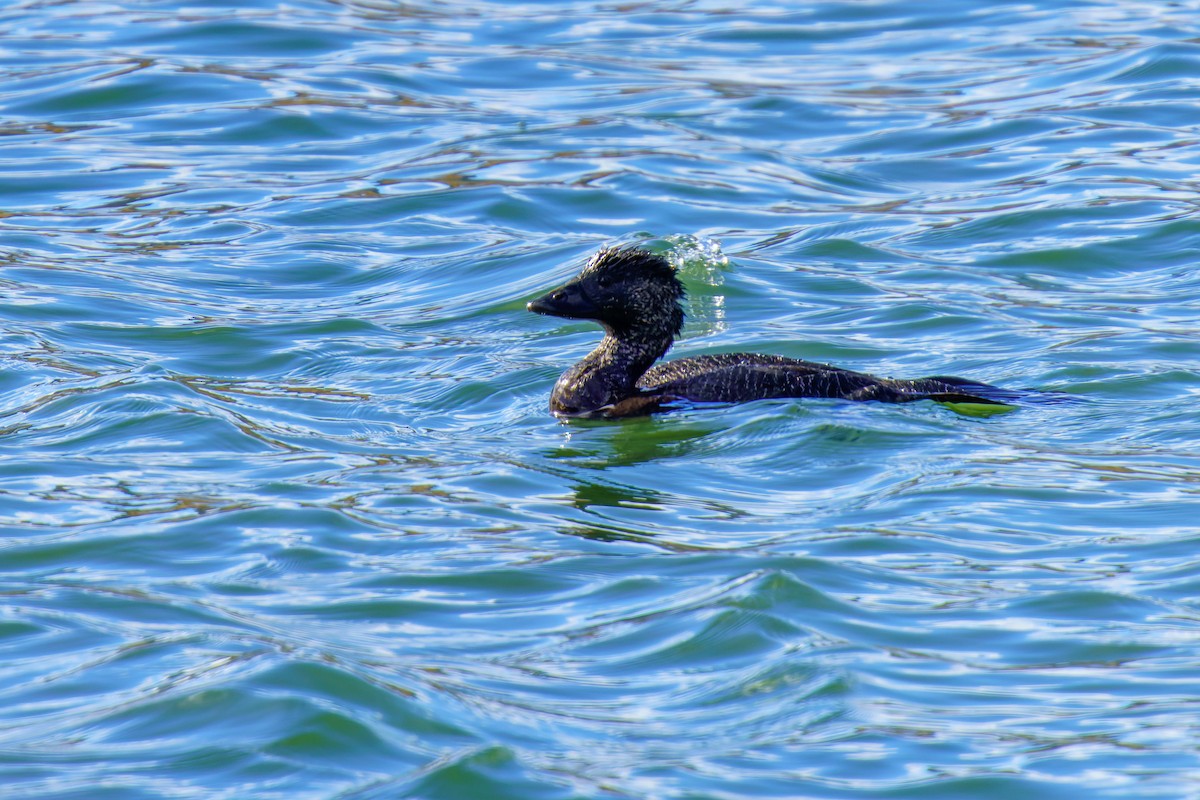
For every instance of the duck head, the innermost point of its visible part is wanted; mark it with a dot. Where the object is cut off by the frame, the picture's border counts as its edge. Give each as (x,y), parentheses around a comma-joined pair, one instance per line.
(628,290)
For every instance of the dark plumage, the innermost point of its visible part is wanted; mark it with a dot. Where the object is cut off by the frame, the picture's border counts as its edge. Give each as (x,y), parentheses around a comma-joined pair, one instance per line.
(636,296)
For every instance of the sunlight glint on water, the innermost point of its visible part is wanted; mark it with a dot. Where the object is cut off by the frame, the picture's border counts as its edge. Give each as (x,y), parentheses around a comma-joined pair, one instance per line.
(285,513)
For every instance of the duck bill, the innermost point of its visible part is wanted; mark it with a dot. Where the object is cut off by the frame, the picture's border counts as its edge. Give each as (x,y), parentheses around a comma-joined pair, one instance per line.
(566,301)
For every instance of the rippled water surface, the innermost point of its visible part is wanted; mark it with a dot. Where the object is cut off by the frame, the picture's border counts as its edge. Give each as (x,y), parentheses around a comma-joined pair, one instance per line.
(284,512)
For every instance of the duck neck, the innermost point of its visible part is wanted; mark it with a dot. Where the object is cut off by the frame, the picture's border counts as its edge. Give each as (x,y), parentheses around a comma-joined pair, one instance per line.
(609,373)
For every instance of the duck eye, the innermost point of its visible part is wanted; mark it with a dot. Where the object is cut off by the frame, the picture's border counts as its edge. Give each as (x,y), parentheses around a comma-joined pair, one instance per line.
(605,281)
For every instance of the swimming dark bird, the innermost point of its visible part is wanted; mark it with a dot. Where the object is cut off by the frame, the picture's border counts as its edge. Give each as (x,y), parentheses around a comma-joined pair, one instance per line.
(636,296)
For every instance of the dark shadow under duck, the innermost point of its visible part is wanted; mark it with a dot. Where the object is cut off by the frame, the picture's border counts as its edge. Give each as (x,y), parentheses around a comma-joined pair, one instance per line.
(635,295)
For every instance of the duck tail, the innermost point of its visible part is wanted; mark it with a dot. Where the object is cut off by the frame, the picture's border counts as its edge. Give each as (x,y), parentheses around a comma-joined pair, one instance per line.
(948,389)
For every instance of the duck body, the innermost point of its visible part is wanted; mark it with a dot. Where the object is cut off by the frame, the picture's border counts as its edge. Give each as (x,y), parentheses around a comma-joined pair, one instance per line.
(635,295)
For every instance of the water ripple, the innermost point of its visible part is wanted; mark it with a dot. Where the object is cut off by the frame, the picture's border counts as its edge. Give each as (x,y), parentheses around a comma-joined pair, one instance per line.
(284,510)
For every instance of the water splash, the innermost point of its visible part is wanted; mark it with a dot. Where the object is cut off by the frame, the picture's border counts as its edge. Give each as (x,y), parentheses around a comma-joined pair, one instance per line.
(702,264)
(697,257)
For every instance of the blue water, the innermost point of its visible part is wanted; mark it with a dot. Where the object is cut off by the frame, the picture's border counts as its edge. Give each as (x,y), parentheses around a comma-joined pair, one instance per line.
(284,513)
